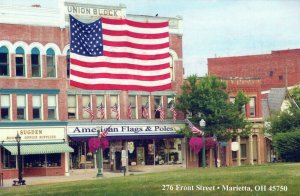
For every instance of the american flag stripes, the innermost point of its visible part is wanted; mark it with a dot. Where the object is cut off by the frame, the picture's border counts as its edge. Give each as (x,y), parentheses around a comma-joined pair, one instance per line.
(194,129)
(172,109)
(119,54)
(89,110)
(116,110)
(162,112)
(129,111)
(104,133)
(145,111)
(101,109)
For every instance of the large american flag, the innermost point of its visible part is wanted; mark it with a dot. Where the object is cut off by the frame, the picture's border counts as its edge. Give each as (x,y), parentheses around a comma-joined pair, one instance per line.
(194,129)
(101,109)
(120,54)
(89,110)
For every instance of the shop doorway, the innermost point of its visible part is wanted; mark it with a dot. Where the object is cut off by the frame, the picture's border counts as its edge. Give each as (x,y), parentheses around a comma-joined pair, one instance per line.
(118,160)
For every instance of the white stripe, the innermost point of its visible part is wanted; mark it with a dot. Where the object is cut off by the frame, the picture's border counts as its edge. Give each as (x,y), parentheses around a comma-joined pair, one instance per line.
(125,27)
(136,51)
(135,40)
(120,60)
(119,71)
(120,81)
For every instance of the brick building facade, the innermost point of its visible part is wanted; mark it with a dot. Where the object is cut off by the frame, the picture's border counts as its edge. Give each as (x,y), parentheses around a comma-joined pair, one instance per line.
(38,103)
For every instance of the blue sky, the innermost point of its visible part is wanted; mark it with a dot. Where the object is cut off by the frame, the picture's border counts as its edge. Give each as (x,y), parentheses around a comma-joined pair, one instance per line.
(217,28)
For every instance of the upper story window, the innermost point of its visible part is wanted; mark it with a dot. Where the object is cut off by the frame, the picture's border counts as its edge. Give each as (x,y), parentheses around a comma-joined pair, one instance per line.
(72,107)
(21,107)
(20,62)
(36,107)
(132,104)
(4,61)
(51,106)
(68,63)
(252,107)
(4,107)
(86,101)
(100,102)
(50,59)
(170,100)
(157,102)
(145,107)
(35,63)
(114,106)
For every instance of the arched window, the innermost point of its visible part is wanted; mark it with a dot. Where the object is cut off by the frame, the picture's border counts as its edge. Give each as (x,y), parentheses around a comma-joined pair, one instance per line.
(20,59)
(4,61)
(68,63)
(35,63)
(50,59)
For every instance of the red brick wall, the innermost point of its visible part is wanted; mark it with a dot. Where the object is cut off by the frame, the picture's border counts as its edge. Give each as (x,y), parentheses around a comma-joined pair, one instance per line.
(268,67)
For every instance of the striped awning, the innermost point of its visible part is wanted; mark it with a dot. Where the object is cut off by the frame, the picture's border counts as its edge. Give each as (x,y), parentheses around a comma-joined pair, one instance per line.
(39,148)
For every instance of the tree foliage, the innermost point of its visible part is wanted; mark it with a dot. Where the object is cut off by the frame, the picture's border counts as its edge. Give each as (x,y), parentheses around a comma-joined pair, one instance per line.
(295,94)
(207,98)
(288,145)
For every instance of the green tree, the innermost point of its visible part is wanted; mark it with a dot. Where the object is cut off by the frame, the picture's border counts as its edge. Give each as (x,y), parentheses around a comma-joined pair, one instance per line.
(285,129)
(208,98)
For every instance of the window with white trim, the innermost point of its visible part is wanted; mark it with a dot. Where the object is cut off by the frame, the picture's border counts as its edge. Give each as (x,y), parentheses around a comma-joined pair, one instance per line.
(132,102)
(52,107)
(114,100)
(36,107)
(252,106)
(4,107)
(21,107)
(4,61)
(20,62)
(35,63)
(86,100)
(72,107)
(50,59)
(100,100)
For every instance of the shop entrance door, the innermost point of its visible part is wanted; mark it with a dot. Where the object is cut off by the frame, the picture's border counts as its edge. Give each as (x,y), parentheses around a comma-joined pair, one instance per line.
(140,155)
(118,160)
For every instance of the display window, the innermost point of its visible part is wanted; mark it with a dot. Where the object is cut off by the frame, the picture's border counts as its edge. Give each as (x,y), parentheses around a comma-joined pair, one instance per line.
(8,160)
(42,160)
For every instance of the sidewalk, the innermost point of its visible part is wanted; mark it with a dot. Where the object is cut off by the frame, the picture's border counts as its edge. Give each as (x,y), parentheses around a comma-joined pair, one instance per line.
(90,174)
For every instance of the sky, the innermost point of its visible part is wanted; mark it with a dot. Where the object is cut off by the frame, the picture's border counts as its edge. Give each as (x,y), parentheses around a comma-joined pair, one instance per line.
(217,28)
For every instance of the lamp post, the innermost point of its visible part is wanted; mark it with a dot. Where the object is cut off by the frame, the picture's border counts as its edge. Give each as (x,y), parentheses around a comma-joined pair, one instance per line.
(20,176)
(215,149)
(202,124)
(99,158)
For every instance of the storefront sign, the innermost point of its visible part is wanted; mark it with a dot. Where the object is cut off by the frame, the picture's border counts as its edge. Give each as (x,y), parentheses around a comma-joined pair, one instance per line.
(88,10)
(123,130)
(32,134)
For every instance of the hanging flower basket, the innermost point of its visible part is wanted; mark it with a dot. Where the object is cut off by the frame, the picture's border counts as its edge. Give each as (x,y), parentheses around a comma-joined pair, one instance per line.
(104,143)
(210,143)
(94,144)
(196,144)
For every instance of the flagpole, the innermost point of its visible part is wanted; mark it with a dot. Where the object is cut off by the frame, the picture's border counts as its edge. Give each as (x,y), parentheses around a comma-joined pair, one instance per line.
(99,158)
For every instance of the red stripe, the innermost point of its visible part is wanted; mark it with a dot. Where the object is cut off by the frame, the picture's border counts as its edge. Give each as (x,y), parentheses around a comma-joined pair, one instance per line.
(119,87)
(135,23)
(135,56)
(134,45)
(135,35)
(119,65)
(119,76)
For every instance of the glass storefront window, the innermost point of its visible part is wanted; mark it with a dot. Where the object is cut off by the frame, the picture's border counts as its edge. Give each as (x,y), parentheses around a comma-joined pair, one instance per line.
(8,160)
(42,160)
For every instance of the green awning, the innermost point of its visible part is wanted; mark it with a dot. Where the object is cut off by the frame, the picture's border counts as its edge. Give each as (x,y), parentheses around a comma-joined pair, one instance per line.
(39,148)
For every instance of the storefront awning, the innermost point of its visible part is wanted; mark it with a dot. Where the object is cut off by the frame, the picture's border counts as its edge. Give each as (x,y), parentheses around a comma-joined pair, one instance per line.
(39,148)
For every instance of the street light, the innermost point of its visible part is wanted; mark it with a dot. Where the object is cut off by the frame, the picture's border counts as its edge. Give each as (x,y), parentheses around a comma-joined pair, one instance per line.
(20,176)
(202,124)
(99,157)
